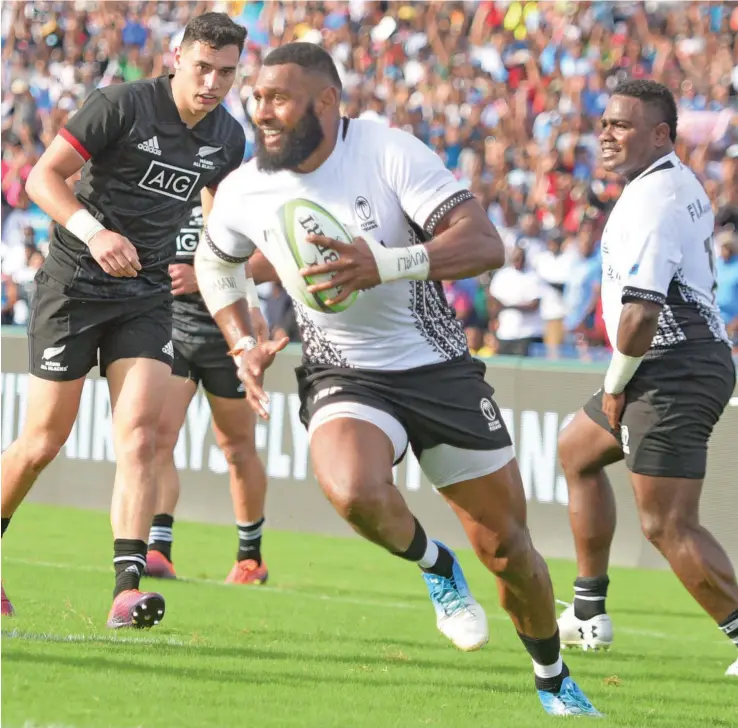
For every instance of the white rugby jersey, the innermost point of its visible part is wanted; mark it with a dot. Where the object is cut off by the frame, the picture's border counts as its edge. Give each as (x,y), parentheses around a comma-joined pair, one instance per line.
(377,182)
(657,246)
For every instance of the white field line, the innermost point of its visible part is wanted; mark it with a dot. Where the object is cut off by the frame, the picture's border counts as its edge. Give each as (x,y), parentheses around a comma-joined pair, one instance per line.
(91,638)
(652,634)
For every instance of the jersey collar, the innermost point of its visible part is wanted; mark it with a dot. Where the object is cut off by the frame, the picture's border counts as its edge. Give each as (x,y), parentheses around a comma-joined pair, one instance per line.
(169,110)
(668,161)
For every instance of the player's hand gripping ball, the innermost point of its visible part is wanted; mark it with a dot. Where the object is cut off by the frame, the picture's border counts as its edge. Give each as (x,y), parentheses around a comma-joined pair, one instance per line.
(298,220)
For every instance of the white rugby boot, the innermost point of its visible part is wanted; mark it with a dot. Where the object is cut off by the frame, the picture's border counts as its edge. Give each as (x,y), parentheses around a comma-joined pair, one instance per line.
(586,634)
(458,615)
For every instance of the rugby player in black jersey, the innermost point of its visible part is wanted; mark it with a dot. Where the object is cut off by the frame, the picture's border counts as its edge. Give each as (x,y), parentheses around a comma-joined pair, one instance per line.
(103,296)
(201,356)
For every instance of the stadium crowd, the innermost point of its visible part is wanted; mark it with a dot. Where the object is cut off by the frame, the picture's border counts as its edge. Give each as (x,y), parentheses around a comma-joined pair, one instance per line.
(508,94)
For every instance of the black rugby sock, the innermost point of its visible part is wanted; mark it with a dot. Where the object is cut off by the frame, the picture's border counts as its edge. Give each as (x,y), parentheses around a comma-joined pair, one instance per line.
(161,536)
(129,561)
(432,557)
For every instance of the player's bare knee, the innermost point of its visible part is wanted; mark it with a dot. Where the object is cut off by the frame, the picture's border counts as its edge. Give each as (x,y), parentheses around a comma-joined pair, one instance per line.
(569,449)
(575,456)
(41,449)
(353,496)
(137,444)
(166,440)
(663,529)
(238,453)
(508,552)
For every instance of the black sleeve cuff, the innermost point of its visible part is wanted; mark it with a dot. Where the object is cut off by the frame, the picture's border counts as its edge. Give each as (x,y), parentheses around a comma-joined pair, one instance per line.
(638,294)
(232,259)
(443,209)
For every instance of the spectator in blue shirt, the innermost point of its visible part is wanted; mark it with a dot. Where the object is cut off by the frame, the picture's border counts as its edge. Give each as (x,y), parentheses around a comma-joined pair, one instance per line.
(727,280)
(583,286)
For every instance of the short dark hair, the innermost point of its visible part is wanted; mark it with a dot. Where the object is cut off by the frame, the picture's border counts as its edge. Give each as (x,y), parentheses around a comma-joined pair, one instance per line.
(216,30)
(655,94)
(307,55)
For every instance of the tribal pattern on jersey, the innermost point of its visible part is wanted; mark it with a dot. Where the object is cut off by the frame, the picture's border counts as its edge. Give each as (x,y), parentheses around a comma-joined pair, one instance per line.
(668,333)
(316,348)
(699,313)
(435,319)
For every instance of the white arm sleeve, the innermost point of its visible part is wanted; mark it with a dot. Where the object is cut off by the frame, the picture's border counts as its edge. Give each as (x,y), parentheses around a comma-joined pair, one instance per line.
(656,252)
(225,229)
(222,252)
(427,191)
(221,283)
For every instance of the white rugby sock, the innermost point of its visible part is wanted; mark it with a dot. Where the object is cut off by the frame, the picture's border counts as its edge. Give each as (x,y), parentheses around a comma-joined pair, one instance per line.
(548,670)
(430,556)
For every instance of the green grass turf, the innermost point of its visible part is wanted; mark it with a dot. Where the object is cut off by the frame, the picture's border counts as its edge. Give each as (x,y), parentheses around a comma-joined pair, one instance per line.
(344,635)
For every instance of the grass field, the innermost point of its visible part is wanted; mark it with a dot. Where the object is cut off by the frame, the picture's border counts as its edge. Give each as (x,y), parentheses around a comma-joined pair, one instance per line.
(343,636)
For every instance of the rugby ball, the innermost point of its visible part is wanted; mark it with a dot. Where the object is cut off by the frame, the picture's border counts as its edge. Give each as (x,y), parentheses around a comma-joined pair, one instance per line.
(299,218)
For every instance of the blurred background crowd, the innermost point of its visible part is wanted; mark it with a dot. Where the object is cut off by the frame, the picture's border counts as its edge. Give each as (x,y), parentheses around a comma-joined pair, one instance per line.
(507,93)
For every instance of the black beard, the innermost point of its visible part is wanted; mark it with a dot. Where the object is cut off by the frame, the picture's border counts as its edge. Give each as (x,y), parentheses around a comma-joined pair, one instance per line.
(297,144)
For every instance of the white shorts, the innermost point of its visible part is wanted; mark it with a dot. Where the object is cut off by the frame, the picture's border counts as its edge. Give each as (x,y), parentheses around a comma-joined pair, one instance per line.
(443,464)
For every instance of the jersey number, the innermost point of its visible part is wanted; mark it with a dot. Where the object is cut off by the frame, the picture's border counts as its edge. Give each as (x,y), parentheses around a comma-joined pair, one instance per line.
(710,250)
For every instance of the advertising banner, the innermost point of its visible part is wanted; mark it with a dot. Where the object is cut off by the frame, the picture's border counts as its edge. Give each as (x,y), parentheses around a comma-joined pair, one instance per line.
(537,399)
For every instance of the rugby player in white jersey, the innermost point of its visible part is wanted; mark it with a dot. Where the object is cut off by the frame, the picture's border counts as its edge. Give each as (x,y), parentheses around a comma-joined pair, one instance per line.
(670,377)
(393,369)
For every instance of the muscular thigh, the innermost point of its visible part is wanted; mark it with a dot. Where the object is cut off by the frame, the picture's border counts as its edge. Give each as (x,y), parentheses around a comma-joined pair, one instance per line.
(491,507)
(351,457)
(52,408)
(138,390)
(179,394)
(233,422)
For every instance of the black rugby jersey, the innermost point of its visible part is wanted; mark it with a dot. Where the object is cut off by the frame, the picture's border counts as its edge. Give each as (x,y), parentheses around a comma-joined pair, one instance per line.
(192,322)
(144,169)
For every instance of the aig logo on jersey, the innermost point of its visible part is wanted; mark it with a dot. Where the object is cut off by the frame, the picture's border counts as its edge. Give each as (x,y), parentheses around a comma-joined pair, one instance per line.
(187,241)
(488,411)
(189,236)
(168,180)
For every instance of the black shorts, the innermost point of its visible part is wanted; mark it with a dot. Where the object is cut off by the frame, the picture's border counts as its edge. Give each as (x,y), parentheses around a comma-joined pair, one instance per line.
(440,404)
(209,363)
(672,405)
(68,336)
